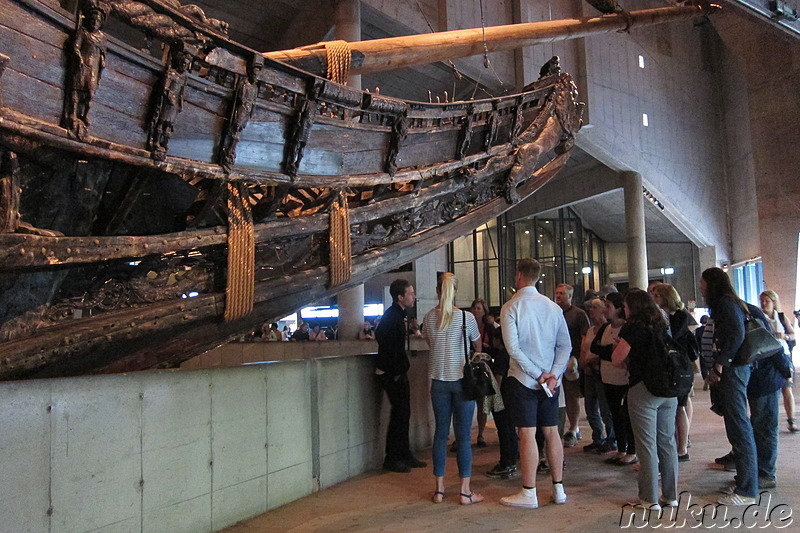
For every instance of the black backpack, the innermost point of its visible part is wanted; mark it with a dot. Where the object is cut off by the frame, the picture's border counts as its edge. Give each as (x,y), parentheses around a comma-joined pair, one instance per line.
(669,372)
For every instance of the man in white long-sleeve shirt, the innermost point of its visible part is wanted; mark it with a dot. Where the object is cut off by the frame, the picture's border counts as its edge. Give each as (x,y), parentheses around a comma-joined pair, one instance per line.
(538,343)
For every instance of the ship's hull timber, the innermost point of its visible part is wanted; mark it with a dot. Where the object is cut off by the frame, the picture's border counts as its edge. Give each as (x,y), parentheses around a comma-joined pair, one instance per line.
(116,182)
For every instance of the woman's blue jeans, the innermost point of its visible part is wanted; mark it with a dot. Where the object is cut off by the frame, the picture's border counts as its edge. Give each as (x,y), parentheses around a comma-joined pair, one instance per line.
(597,411)
(449,403)
(764,418)
(733,396)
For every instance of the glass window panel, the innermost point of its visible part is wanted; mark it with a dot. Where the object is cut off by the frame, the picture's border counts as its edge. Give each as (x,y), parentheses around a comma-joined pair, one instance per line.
(488,244)
(524,233)
(462,248)
(482,275)
(561,244)
(546,238)
(548,281)
(493,298)
(571,238)
(466,283)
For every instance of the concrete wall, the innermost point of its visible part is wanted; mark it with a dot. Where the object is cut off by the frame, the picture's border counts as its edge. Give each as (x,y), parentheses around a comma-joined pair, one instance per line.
(189,451)
(766,64)
(740,167)
(241,353)
(676,154)
(426,269)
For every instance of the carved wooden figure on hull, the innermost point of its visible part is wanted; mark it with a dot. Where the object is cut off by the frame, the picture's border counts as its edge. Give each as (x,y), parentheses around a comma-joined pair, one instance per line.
(168,102)
(86,56)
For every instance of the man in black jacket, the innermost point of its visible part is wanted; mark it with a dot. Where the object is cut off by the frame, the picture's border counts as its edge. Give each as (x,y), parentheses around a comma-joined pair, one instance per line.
(391,367)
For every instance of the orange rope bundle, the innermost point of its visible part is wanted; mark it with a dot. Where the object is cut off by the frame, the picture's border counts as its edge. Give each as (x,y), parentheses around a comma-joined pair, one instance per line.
(239,293)
(338,53)
(341,264)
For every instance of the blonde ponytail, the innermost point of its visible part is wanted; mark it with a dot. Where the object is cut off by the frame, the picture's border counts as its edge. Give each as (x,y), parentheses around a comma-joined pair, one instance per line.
(446,287)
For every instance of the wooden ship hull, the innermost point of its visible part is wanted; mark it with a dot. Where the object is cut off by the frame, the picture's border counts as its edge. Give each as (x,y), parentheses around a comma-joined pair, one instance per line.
(164,189)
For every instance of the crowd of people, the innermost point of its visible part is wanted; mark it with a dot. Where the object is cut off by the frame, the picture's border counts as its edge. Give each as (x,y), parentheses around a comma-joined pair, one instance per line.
(304,332)
(316,332)
(307,331)
(545,356)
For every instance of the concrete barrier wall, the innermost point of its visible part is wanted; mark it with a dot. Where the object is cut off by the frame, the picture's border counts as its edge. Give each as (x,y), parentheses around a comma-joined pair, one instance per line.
(189,450)
(242,353)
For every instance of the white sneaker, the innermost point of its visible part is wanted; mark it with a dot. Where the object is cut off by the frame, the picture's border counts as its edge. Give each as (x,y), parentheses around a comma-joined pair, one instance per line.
(728,488)
(526,498)
(669,503)
(736,499)
(646,505)
(559,496)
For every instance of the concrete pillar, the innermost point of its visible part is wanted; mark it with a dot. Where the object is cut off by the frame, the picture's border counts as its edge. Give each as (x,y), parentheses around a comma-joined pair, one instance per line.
(708,257)
(518,14)
(348,28)
(350,302)
(351,312)
(634,225)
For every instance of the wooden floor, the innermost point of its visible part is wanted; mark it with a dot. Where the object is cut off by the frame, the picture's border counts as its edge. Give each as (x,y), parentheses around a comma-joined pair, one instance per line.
(596,492)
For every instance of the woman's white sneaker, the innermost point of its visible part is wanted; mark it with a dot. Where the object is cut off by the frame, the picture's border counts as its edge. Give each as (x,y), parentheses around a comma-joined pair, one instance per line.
(646,505)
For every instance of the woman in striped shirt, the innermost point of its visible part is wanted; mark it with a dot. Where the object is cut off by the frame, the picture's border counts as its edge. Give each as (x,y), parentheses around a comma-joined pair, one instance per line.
(444,328)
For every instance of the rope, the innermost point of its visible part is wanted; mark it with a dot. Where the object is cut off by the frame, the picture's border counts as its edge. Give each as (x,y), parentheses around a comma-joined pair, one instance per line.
(456,72)
(485,47)
(239,293)
(338,53)
(341,264)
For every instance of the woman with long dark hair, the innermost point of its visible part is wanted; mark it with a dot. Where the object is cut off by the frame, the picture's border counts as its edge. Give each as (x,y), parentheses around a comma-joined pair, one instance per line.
(445,327)
(652,417)
(731,380)
(481,311)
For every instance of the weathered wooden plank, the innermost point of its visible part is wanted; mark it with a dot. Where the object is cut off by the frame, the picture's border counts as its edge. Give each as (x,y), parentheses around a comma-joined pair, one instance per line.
(416,152)
(344,139)
(260,155)
(33,78)
(215,103)
(23,135)
(197,134)
(50,29)
(374,160)
(126,87)
(32,97)
(110,124)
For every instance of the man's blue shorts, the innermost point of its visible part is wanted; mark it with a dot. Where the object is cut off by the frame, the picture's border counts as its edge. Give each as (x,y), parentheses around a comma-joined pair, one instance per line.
(530,408)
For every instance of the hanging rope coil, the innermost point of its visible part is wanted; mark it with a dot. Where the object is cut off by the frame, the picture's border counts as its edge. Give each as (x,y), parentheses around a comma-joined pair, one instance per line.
(338,56)
(239,293)
(341,263)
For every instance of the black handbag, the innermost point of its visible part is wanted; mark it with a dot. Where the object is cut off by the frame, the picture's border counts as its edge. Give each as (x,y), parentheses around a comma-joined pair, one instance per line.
(477,375)
(758,343)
